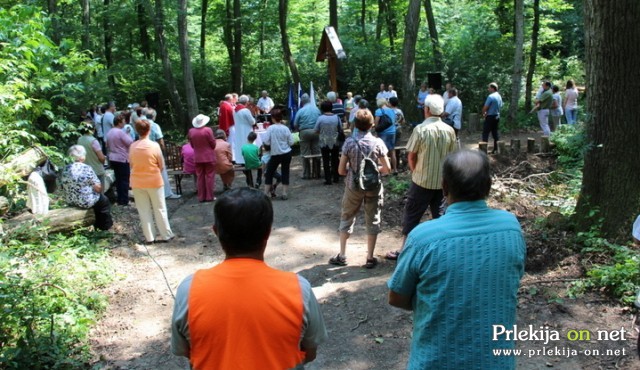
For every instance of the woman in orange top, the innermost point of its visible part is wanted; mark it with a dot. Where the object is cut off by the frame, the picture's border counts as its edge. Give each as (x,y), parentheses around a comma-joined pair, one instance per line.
(146,161)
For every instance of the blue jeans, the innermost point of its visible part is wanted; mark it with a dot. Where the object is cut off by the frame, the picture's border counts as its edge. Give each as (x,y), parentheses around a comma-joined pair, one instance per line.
(389,140)
(572,115)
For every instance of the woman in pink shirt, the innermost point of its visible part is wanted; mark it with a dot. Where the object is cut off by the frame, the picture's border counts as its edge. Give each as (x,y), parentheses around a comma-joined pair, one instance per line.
(204,144)
(118,143)
(145,158)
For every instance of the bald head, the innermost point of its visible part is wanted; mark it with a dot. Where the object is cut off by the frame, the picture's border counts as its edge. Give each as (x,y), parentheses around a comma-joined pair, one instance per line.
(466,176)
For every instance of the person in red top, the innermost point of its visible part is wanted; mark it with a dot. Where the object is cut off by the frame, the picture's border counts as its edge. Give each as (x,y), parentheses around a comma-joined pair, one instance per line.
(243,314)
(204,144)
(225,114)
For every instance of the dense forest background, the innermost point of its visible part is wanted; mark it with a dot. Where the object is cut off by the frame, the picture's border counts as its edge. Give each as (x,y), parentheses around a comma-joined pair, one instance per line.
(60,57)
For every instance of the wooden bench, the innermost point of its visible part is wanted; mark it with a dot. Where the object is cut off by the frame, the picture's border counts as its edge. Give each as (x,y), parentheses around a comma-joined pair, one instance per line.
(173,163)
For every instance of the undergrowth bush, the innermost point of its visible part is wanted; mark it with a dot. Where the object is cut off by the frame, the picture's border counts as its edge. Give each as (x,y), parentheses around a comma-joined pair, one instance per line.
(398,186)
(615,270)
(49,297)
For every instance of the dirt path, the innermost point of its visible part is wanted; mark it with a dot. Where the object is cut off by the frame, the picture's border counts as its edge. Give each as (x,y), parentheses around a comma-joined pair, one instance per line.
(365,332)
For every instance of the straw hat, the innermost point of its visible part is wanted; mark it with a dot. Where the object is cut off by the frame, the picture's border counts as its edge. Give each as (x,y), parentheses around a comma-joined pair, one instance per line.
(200,121)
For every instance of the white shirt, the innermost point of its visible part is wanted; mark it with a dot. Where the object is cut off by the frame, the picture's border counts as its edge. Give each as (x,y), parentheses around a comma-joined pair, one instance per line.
(97,120)
(265,104)
(445,97)
(280,138)
(382,95)
(571,96)
(392,94)
(454,108)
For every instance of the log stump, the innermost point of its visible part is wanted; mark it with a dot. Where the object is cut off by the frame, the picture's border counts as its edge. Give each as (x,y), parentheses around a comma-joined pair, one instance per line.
(531,145)
(545,145)
(483,146)
(502,148)
(515,146)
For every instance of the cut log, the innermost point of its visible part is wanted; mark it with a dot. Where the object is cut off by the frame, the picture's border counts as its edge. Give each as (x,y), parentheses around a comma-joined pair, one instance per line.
(502,148)
(22,164)
(545,146)
(483,146)
(474,122)
(515,146)
(531,145)
(57,220)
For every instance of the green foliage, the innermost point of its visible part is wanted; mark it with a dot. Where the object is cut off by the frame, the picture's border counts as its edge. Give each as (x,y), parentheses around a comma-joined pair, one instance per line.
(571,145)
(49,297)
(616,272)
(398,186)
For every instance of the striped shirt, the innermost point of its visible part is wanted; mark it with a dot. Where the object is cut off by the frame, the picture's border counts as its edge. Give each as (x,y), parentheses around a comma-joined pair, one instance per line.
(432,140)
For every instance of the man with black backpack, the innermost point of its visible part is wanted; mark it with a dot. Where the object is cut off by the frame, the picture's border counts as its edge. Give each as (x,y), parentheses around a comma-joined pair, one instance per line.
(361,155)
(430,142)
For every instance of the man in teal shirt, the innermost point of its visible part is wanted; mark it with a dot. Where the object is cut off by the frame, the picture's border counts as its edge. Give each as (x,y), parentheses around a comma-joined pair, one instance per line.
(460,274)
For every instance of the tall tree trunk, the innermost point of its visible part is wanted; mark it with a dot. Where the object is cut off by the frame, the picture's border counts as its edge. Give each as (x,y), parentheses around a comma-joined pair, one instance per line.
(381,10)
(203,29)
(516,80)
(233,42)
(363,16)
(262,29)
(236,66)
(533,54)
(174,96)
(333,14)
(286,50)
(108,43)
(143,25)
(433,35)
(185,58)
(392,27)
(610,176)
(86,24)
(412,23)
(55,21)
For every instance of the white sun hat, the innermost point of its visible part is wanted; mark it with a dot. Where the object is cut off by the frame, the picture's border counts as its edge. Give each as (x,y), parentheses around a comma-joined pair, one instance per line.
(200,120)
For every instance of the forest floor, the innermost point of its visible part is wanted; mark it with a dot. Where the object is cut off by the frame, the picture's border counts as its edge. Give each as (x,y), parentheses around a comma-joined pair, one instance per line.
(364,331)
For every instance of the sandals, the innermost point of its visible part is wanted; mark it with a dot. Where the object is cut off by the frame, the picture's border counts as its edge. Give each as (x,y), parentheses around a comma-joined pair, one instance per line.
(371,263)
(338,260)
(393,255)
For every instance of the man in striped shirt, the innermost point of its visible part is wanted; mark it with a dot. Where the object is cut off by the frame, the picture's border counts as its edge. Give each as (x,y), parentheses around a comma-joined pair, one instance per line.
(429,144)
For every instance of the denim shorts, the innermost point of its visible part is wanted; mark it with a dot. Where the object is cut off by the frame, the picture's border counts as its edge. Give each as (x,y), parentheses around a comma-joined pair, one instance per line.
(389,140)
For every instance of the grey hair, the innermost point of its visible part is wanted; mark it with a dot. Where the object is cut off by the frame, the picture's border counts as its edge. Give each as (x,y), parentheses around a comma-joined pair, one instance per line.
(150,113)
(304,99)
(243,99)
(467,175)
(435,103)
(331,96)
(77,152)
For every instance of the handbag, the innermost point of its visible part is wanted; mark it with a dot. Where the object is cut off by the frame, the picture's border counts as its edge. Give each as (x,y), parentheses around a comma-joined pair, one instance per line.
(49,173)
(341,137)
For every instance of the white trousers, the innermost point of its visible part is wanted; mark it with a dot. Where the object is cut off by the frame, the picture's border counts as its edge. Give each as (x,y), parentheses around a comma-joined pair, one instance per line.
(151,205)
(543,118)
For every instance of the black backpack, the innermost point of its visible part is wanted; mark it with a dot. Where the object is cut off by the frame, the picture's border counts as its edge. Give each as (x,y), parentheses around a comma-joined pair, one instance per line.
(366,176)
(384,122)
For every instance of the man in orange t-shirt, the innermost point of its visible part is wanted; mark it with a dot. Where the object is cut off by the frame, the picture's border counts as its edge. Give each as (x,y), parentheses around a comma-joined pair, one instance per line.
(243,314)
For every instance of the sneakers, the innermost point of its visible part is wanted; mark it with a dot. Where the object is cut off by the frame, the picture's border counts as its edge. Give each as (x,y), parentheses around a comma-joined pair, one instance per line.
(174,196)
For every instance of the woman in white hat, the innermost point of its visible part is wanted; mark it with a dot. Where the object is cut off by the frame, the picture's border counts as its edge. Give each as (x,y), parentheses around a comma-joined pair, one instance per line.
(204,144)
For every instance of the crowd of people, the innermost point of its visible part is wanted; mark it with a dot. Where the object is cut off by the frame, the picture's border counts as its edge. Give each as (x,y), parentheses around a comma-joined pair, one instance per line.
(466,246)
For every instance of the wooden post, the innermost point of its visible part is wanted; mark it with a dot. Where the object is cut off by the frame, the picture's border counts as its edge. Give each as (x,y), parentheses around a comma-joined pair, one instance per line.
(474,122)
(483,146)
(531,145)
(502,148)
(515,146)
(545,145)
